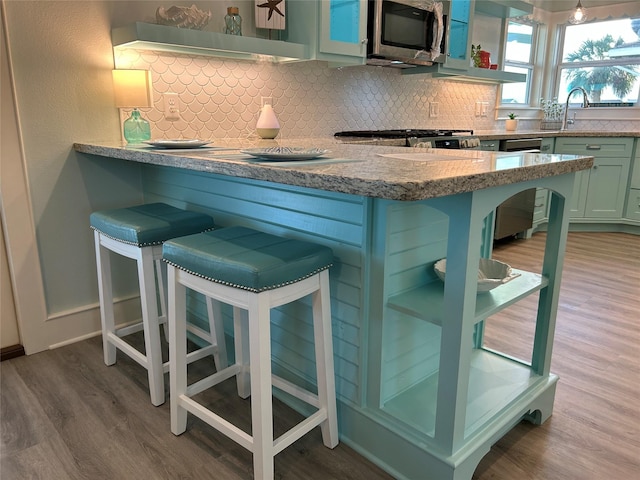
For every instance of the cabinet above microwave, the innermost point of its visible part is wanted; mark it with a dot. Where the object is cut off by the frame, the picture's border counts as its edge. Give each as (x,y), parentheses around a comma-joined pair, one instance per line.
(457,64)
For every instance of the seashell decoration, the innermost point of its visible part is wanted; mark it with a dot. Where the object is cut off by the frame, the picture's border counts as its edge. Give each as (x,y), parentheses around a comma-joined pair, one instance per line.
(183,17)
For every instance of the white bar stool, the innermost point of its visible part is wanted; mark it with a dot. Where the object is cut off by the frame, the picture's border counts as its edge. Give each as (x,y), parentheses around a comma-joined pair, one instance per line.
(137,233)
(254,272)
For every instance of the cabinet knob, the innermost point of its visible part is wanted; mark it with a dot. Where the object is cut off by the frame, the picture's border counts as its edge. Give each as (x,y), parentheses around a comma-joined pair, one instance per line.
(364,41)
(595,167)
(545,147)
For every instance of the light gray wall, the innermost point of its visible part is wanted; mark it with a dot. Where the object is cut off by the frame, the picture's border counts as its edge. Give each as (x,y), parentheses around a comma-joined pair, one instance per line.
(62,60)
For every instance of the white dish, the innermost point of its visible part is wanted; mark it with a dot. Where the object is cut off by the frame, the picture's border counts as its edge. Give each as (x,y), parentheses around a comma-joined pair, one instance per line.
(285,153)
(177,143)
(491,273)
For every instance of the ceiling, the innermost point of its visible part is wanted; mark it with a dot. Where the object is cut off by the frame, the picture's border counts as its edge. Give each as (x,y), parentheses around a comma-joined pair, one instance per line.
(563,5)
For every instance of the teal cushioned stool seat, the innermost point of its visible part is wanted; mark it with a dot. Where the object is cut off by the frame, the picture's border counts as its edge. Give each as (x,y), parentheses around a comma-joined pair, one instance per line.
(246,258)
(137,233)
(254,272)
(149,224)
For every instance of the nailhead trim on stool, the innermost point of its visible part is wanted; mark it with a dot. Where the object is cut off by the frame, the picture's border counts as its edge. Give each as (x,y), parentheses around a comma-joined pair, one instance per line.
(137,233)
(254,272)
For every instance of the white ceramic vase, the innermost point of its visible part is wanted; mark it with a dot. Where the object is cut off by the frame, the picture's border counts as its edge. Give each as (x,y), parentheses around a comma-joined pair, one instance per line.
(268,125)
(511,124)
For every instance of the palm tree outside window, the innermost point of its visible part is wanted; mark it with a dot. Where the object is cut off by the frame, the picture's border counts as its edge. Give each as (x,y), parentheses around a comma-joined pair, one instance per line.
(603,58)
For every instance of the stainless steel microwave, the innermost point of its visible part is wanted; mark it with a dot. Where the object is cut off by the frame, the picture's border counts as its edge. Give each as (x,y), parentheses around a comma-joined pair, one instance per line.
(405,33)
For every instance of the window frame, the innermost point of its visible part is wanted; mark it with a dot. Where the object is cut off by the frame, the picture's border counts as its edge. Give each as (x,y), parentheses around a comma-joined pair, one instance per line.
(560,65)
(529,66)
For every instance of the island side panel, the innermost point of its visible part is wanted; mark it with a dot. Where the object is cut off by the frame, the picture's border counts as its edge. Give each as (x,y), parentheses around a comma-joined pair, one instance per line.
(336,220)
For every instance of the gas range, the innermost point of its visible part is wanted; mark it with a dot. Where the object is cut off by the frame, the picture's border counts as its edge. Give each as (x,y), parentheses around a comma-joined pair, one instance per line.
(430,138)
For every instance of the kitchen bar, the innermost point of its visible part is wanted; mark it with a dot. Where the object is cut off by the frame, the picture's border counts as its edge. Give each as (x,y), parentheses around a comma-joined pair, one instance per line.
(417,391)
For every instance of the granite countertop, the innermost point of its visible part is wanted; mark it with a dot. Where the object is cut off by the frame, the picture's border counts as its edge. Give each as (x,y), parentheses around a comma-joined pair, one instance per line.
(395,173)
(504,135)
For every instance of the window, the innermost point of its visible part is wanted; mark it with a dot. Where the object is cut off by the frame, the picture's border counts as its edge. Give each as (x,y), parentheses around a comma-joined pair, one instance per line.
(604,59)
(518,58)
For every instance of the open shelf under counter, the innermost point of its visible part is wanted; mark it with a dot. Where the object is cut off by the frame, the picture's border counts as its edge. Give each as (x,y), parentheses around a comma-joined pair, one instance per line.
(426,302)
(496,383)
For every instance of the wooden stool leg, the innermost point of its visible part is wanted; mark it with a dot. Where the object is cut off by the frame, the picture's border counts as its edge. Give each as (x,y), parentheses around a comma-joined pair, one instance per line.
(241,346)
(177,350)
(105,293)
(216,331)
(261,397)
(149,306)
(324,360)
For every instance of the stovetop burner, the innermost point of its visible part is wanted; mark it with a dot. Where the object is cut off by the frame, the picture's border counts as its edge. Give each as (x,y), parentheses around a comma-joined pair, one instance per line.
(401,133)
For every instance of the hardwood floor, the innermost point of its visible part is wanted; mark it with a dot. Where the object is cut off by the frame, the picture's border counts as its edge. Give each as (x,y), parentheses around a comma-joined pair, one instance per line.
(64,415)
(594,432)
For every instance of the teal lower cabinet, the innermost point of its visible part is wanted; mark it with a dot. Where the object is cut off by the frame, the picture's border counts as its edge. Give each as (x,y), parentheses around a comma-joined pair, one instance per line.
(599,194)
(419,393)
(540,212)
(632,211)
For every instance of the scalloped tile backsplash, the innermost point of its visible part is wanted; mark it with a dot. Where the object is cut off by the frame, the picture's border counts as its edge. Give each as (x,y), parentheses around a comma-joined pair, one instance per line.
(221,98)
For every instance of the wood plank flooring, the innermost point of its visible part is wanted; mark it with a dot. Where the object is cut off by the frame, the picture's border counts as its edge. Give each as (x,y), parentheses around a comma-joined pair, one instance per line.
(64,415)
(594,432)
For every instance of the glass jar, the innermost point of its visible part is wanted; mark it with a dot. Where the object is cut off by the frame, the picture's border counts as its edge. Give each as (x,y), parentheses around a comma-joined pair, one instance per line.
(233,21)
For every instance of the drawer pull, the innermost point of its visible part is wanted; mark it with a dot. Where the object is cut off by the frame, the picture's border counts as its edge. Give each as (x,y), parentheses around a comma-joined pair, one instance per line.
(593,147)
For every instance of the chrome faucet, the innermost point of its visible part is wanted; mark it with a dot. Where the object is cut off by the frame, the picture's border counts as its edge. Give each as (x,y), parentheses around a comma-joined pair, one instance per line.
(585,104)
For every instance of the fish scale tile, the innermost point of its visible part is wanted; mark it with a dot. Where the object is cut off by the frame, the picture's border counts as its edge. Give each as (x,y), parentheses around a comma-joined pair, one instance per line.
(222,97)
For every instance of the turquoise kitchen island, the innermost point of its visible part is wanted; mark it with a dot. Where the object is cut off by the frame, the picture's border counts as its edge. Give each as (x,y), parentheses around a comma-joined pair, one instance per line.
(418,392)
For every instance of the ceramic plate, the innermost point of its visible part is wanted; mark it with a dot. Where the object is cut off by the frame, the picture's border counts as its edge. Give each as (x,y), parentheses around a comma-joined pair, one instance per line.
(177,143)
(286,153)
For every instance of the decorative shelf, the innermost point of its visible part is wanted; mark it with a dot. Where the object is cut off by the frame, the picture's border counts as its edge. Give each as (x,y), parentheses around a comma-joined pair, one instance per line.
(426,302)
(471,74)
(149,36)
(496,383)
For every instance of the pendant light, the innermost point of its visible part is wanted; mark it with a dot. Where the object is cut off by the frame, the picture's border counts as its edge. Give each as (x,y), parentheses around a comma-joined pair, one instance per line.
(579,15)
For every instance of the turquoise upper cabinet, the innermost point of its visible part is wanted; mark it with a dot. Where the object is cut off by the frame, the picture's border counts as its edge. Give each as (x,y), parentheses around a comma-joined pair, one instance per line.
(343,27)
(459,31)
(333,30)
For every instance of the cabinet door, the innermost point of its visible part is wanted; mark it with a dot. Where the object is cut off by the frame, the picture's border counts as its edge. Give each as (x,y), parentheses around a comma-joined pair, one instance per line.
(343,27)
(547,145)
(458,36)
(635,168)
(540,206)
(579,197)
(633,205)
(607,188)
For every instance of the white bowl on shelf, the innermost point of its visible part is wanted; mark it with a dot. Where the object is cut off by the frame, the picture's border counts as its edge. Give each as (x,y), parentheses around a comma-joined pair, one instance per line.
(491,273)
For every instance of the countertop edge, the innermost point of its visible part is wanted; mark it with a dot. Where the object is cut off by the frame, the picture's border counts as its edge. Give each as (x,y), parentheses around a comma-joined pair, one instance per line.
(346,179)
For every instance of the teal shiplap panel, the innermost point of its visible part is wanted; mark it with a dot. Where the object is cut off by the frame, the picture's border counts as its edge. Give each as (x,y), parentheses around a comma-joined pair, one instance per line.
(410,353)
(336,220)
(417,238)
(322,213)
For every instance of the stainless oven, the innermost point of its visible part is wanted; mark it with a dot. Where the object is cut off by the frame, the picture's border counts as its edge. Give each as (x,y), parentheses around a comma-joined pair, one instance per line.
(515,215)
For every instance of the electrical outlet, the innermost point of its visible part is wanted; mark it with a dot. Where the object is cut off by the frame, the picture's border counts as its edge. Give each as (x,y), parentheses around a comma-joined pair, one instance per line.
(484,108)
(434,109)
(266,101)
(171,106)
(478,109)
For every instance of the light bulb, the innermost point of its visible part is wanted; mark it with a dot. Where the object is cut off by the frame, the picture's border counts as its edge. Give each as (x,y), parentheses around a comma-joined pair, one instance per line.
(579,15)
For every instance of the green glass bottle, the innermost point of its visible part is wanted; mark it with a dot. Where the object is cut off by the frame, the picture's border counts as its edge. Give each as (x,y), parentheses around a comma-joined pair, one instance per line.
(233,21)
(136,128)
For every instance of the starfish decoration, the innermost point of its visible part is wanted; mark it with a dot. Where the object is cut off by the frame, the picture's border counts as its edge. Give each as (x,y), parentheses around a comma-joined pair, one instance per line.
(272,5)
